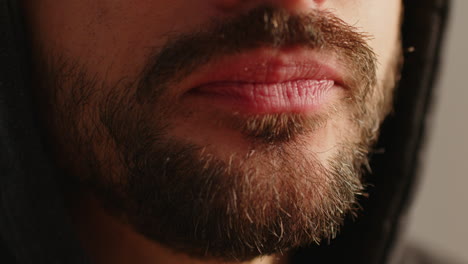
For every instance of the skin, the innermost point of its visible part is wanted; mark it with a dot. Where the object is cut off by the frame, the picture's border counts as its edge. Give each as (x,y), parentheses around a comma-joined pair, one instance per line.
(112,38)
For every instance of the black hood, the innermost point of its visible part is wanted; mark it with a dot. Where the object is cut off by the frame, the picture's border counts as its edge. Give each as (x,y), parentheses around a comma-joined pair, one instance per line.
(34,227)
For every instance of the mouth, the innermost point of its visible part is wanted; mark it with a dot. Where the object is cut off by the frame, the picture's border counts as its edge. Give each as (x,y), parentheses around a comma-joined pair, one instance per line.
(267,81)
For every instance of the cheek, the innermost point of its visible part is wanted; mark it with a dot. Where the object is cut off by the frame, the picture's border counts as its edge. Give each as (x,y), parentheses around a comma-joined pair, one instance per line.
(379,19)
(111,37)
(382,20)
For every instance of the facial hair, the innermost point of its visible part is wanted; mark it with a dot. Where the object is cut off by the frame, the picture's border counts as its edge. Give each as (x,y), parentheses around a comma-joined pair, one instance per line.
(277,196)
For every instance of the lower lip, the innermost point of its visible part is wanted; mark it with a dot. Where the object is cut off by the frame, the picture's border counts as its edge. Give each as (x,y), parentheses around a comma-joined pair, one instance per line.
(297,96)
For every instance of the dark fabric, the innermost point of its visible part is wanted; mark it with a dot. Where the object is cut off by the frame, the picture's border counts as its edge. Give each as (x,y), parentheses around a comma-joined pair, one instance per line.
(34,227)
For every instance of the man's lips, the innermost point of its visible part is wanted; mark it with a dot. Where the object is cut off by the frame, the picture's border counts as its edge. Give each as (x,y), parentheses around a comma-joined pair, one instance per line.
(263,82)
(258,98)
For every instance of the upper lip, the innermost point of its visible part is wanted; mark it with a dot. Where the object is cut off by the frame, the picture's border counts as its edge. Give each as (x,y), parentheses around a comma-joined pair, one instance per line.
(269,66)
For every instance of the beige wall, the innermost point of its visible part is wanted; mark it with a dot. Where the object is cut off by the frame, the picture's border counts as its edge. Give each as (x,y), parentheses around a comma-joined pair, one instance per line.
(439,217)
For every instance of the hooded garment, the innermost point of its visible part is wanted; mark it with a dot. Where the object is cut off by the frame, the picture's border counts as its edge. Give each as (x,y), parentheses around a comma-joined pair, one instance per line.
(34,227)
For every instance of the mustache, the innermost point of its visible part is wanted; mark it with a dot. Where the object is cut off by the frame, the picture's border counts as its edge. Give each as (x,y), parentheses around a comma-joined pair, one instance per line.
(264,26)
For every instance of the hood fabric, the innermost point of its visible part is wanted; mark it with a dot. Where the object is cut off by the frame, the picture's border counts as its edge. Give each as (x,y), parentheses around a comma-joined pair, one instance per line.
(34,227)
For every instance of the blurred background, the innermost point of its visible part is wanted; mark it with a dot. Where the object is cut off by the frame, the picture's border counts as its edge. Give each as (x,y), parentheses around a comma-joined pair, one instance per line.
(439,216)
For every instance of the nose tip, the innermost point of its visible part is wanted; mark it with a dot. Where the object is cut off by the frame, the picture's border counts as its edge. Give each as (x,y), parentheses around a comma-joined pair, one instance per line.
(296,5)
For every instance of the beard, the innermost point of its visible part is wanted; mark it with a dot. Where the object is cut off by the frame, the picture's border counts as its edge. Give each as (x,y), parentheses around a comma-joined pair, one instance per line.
(120,141)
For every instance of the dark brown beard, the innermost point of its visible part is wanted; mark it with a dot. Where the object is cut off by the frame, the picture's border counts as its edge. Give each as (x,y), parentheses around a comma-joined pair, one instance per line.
(276,197)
